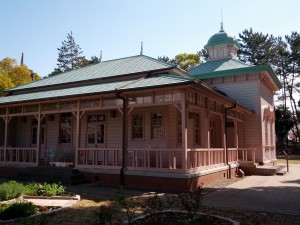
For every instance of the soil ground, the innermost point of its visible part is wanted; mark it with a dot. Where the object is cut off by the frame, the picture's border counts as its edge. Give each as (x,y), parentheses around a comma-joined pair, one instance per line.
(83,212)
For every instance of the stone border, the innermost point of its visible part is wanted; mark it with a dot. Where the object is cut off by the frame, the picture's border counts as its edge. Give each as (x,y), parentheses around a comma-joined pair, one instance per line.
(71,200)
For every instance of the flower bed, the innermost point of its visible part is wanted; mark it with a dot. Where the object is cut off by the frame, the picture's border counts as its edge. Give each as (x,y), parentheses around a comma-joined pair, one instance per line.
(32,199)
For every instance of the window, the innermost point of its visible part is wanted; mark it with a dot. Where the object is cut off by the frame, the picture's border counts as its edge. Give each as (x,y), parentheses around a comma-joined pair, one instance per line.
(95,133)
(31,108)
(65,134)
(157,129)
(95,129)
(137,126)
(197,139)
(89,103)
(15,110)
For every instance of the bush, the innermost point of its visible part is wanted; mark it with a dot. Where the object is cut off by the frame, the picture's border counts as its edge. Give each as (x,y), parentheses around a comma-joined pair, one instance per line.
(45,189)
(10,190)
(17,210)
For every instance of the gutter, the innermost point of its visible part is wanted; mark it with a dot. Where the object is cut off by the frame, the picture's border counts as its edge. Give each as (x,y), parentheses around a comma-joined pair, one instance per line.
(124,137)
(226,139)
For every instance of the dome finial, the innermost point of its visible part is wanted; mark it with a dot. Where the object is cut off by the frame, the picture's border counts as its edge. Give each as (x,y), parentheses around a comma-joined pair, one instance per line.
(141,53)
(221,29)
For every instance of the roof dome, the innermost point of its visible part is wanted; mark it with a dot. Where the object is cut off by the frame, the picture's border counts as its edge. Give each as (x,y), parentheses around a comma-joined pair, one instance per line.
(221,38)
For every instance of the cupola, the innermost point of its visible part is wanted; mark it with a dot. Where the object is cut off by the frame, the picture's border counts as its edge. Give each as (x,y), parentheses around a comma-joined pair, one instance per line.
(221,46)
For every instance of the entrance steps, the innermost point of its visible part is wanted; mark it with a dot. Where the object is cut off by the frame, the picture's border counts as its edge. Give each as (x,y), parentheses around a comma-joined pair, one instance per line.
(263,170)
(64,175)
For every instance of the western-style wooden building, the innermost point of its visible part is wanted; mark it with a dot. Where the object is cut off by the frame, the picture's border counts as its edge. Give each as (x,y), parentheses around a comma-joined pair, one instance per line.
(144,123)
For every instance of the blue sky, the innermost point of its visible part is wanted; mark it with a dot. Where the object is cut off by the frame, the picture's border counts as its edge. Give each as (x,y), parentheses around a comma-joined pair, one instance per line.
(117,27)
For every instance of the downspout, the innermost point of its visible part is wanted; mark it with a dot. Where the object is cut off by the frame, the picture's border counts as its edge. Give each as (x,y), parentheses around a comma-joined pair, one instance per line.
(226,140)
(124,138)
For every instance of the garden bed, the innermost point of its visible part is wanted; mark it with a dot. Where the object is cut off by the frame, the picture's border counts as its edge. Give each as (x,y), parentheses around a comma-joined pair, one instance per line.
(21,201)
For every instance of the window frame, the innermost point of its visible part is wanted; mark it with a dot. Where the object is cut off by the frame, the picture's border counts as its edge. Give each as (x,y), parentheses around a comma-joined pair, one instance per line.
(135,135)
(155,126)
(68,116)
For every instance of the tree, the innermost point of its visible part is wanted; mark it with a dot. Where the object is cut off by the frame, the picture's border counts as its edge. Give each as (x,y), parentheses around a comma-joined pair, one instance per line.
(5,81)
(203,53)
(256,48)
(283,123)
(187,61)
(184,61)
(293,84)
(166,59)
(12,74)
(69,55)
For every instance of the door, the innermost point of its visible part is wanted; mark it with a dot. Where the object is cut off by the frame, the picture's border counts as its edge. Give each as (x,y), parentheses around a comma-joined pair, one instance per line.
(42,140)
(95,135)
(95,141)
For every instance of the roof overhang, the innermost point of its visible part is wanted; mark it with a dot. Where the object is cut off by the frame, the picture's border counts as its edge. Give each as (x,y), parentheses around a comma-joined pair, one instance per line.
(245,70)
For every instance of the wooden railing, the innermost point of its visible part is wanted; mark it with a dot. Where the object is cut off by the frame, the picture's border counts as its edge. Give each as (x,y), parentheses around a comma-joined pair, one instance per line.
(246,155)
(138,159)
(202,157)
(24,156)
(144,159)
(99,158)
(155,159)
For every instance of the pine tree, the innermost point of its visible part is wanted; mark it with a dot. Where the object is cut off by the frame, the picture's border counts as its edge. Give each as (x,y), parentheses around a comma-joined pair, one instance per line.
(69,55)
(256,48)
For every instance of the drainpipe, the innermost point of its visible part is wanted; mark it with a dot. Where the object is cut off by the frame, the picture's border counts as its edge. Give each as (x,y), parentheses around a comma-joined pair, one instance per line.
(124,138)
(226,140)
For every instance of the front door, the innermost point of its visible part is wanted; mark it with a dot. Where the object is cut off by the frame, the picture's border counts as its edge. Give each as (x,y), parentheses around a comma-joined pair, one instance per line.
(95,139)
(95,135)
(42,139)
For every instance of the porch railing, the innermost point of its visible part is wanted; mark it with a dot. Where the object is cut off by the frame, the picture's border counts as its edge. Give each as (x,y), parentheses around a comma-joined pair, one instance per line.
(99,158)
(155,159)
(246,155)
(24,156)
(138,159)
(202,157)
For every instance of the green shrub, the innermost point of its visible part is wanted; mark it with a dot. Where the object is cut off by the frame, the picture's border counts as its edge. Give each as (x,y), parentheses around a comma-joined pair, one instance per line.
(17,210)
(45,189)
(10,190)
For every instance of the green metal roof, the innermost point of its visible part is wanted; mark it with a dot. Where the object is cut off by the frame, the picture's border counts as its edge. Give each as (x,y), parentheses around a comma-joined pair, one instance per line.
(106,69)
(221,38)
(215,69)
(218,65)
(151,82)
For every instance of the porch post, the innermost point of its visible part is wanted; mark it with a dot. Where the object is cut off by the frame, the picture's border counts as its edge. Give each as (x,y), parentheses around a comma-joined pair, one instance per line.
(77,134)
(207,128)
(5,134)
(224,137)
(38,142)
(236,133)
(184,132)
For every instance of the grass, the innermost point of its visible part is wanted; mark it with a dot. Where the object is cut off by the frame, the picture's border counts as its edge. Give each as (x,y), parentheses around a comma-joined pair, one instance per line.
(83,213)
(293,159)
